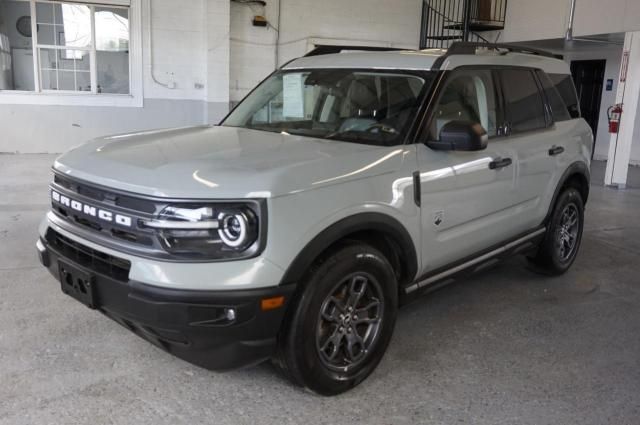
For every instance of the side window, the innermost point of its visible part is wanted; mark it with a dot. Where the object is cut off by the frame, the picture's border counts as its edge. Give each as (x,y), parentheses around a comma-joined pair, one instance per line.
(558,108)
(564,85)
(524,106)
(468,96)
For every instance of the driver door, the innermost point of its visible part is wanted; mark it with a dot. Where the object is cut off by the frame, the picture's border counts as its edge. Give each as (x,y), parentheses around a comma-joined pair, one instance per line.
(467,197)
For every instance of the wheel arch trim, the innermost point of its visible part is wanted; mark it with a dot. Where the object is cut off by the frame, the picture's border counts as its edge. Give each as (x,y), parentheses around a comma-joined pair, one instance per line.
(369,221)
(576,168)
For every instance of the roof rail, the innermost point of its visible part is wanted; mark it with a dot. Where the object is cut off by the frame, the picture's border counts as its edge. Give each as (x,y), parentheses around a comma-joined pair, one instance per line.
(327,50)
(469,48)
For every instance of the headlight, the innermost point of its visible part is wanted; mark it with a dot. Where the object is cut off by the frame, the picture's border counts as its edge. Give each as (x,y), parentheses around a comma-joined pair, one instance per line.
(234,228)
(215,231)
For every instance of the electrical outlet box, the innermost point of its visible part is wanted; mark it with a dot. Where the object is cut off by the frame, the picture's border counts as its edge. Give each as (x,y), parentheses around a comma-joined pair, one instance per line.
(259,21)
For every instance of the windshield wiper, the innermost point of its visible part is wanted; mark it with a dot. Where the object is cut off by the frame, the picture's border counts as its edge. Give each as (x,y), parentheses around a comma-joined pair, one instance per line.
(383,129)
(298,131)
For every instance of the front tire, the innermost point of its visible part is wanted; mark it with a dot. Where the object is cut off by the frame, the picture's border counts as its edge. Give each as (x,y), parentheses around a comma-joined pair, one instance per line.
(341,322)
(562,240)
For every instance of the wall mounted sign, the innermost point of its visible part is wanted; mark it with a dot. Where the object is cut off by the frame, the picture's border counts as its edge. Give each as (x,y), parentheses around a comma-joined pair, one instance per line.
(610,84)
(625,65)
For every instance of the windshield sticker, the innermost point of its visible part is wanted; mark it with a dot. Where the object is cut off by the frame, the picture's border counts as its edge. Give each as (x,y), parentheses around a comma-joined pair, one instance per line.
(292,96)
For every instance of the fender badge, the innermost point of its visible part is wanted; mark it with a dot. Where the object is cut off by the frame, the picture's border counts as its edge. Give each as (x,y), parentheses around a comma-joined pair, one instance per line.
(438,217)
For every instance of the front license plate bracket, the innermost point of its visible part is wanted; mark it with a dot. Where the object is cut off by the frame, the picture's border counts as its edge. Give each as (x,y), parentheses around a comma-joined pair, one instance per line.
(78,283)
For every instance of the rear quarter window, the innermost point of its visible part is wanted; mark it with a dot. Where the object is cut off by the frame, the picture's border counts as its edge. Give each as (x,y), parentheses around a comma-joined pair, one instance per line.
(566,89)
(558,108)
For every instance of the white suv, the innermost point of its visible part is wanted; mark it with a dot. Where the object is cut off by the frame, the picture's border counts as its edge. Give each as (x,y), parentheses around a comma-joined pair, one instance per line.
(343,186)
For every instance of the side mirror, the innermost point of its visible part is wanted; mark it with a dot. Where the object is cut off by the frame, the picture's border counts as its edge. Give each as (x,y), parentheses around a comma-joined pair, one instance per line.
(461,136)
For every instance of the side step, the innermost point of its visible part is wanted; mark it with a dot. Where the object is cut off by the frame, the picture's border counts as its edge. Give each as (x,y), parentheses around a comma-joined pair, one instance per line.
(446,275)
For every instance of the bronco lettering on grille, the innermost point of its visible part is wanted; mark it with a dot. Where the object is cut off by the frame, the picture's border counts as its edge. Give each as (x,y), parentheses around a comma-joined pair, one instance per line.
(90,210)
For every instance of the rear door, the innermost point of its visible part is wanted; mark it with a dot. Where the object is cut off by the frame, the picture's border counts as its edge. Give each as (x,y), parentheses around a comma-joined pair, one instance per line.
(530,130)
(467,198)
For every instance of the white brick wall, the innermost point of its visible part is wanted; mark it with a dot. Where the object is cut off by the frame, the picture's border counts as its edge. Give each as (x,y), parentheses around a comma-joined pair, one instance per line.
(372,22)
(252,48)
(190,49)
(178,48)
(217,23)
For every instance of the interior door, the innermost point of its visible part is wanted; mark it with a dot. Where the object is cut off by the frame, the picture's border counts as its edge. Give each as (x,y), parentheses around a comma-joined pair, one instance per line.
(466,197)
(588,76)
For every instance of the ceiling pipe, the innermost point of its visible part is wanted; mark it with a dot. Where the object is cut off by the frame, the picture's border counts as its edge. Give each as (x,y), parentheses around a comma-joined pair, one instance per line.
(568,35)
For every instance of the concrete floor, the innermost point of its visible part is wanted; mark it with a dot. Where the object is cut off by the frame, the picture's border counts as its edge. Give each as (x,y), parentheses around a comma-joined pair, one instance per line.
(504,347)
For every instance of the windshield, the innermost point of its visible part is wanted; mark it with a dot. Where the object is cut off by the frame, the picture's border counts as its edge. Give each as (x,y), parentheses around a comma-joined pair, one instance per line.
(356,106)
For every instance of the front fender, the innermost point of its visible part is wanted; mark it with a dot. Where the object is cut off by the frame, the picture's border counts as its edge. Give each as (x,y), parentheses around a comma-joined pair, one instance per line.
(367,221)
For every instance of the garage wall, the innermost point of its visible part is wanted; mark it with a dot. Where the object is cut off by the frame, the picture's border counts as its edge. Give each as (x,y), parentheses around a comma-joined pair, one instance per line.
(190,51)
(543,19)
(635,146)
(547,19)
(252,55)
(5,56)
(305,23)
(612,54)
(206,53)
(373,22)
(52,129)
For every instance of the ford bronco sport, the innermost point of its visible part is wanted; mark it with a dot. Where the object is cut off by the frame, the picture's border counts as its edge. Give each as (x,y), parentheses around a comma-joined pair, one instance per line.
(343,186)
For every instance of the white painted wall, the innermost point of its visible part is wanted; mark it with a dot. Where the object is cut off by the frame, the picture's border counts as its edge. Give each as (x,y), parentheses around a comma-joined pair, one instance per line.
(252,55)
(305,23)
(628,94)
(178,45)
(612,55)
(190,49)
(547,19)
(5,56)
(544,19)
(217,50)
(382,22)
(212,55)
(635,146)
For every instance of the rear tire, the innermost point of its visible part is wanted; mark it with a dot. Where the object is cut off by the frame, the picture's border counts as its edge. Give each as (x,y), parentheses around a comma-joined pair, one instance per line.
(341,322)
(562,240)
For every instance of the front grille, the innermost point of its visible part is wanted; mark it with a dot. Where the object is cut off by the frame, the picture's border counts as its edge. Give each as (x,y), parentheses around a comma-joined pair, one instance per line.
(106,196)
(94,260)
(100,198)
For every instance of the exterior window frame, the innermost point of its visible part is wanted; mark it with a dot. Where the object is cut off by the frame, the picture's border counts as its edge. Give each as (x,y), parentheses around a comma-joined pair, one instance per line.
(41,96)
(441,84)
(506,103)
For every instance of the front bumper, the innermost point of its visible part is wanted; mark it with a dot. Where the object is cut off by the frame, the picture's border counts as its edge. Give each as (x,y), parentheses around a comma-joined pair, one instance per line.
(194,325)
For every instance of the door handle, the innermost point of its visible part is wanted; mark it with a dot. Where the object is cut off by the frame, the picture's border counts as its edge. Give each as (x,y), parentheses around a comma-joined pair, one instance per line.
(499,163)
(555,150)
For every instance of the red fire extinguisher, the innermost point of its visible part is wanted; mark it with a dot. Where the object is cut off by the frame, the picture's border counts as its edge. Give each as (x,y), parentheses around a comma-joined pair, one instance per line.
(613,114)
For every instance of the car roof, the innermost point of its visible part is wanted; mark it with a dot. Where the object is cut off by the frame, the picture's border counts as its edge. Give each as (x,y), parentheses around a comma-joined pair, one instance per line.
(425,60)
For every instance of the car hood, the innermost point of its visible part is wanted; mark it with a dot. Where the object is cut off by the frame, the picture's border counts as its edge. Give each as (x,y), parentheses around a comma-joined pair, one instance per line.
(222,162)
